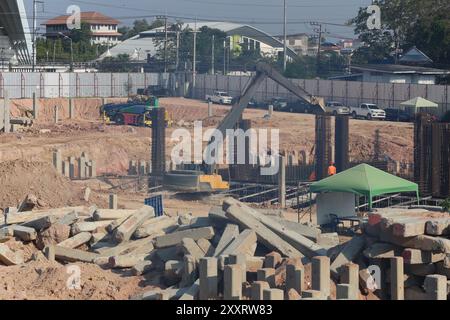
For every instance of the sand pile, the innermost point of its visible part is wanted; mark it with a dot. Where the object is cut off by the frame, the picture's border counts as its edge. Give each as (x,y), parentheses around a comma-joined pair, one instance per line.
(48,280)
(19,178)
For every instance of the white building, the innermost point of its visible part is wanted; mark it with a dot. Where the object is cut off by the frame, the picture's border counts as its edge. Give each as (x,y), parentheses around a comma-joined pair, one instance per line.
(240,36)
(103,28)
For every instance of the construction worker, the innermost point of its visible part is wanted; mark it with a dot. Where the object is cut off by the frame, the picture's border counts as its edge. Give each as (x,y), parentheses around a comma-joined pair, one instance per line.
(331,169)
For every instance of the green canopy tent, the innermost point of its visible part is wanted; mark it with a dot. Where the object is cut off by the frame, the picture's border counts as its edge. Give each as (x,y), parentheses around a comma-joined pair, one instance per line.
(418,103)
(365,180)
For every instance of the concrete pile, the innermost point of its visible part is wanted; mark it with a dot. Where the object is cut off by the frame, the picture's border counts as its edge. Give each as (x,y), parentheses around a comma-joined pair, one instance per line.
(411,248)
(239,253)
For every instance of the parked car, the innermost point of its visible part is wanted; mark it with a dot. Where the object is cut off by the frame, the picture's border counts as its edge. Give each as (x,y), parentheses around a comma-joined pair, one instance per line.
(220,97)
(393,114)
(251,104)
(299,106)
(279,104)
(368,111)
(336,108)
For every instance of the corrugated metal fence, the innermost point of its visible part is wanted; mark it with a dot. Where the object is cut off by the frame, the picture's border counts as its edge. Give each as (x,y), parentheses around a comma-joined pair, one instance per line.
(55,85)
(351,93)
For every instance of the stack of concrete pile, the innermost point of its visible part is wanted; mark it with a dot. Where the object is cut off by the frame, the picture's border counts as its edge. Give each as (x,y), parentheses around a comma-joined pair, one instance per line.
(196,258)
(90,235)
(411,247)
(238,253)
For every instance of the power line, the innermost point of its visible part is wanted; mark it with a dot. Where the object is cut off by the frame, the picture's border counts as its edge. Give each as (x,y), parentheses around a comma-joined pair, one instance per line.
(267,5)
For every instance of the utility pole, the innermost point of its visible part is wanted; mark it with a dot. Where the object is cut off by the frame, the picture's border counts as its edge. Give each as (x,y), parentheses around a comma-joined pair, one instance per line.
(165,40)
(177,62)
(224,56)
(212,55)
(319,31)
(194,67)
(285,37)
(33,34)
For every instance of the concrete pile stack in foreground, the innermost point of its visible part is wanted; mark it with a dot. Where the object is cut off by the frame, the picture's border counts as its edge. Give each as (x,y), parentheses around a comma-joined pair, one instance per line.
(235,253)
(412,249)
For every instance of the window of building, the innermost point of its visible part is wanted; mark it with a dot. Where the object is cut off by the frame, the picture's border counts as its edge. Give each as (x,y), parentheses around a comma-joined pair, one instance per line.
(291,42)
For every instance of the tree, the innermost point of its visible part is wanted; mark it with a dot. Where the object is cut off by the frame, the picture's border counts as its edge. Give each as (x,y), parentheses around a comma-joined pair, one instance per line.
(121,63)
(139,26)
(405,23)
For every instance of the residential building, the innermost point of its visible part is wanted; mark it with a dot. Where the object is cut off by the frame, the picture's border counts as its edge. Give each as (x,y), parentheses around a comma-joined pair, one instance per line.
(298,42)
(103,28)
(415,57)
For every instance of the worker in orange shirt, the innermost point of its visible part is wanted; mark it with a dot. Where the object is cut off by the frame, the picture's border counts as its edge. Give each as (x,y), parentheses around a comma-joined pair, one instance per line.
(331,169)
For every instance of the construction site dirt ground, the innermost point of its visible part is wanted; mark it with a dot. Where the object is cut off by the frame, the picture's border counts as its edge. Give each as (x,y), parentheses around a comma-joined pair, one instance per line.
(26,167)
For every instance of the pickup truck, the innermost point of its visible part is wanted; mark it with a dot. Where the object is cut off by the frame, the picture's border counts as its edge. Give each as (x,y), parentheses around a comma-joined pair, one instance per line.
(368,111)
(220,97)
(336,108)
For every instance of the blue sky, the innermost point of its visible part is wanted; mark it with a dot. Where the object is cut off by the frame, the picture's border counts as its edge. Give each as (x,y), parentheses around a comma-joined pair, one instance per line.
(264,14)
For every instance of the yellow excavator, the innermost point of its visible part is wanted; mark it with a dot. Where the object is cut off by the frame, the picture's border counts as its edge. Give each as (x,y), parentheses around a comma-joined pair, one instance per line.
(207,180)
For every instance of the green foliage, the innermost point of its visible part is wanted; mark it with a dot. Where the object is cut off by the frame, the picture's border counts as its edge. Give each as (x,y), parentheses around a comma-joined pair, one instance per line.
(404,24)
(59,49)
(121,63)
(138,27)
(446,205)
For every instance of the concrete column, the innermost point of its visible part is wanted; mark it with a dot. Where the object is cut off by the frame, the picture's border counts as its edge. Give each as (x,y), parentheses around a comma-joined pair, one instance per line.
(232,282)
(272,260)
(397,279)
(295,278)
(113,201)
(208,278)
(240,259)
(72,167)
(436,287)
(71,109)
(343,291)
(82,168)
(282,182)
(190,271)
(267,275)
(273,294)
(350,276)
(66,168)
(85,156)
(321,275)
(257,289)
(210,109)
(7,113)
(93,169)
(142,167)
(57,161)
(35,107)
(56,114)
(132,170)
(270,110)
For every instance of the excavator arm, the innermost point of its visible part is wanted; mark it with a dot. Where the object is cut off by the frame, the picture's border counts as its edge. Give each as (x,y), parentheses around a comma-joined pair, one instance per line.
(197,181)
(264,70)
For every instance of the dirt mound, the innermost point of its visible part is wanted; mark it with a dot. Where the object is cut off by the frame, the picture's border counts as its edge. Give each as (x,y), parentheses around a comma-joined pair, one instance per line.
(38,178)
(84,108)
(47,280)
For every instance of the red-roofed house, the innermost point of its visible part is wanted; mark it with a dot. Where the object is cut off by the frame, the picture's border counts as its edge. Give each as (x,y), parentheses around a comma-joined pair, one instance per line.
(103,28)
